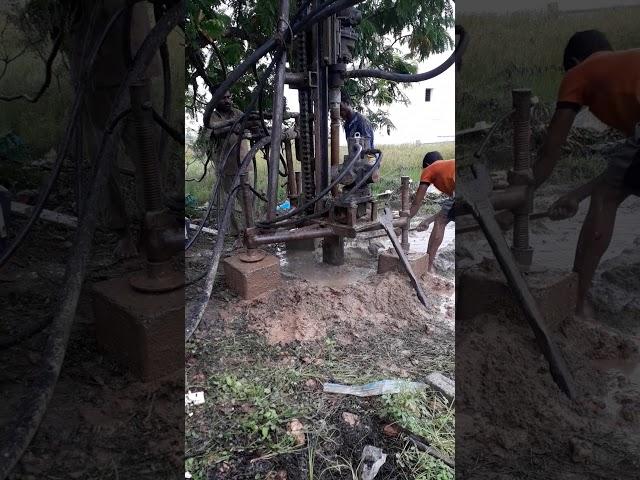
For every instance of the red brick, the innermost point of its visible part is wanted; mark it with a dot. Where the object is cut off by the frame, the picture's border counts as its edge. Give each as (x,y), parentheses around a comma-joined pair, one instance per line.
(141,331)
(389,262)
(251,279)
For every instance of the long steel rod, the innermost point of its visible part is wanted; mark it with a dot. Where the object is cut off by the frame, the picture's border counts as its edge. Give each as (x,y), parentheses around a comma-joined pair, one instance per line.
(278,110)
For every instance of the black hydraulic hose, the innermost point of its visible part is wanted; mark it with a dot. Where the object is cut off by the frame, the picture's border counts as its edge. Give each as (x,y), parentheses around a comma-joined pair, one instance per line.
(64,144)
(21,430)
(197,312)
(362,181)
(167,92)
(319,196)
(418,77)
(173,133)
(298,221)
(313,17)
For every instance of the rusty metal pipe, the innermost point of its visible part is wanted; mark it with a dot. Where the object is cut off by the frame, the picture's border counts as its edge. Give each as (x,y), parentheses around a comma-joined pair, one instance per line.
(334,102)
(278,111)
(247,203)
(522,165)
(404,211)
(142,115)
(292,235)
(292,187)
(512,198)
(372,226)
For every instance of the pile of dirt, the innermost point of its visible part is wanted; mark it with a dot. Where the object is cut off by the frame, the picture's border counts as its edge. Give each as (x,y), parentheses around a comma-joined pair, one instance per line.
(615,293)
(302,311)
(513,419)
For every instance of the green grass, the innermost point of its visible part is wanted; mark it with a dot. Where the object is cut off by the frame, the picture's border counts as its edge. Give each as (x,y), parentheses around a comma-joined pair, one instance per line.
(398,160)
(525,50)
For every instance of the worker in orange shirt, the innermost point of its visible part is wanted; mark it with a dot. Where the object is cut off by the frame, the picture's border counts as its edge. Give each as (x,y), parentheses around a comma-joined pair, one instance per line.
(441,174)
(608,83)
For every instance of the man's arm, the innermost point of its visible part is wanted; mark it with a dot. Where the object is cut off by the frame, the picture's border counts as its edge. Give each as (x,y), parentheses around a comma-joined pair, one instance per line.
(557,134)
(567,205)
(417,201)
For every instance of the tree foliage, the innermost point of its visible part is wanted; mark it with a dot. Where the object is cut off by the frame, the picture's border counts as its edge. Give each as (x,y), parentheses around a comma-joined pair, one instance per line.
(394,36)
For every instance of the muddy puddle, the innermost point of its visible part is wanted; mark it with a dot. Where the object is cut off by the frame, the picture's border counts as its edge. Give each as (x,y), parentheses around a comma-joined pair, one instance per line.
(554,242)
(361,259)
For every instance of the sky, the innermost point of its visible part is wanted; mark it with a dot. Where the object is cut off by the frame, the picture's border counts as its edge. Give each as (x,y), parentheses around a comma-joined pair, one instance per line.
(420,121)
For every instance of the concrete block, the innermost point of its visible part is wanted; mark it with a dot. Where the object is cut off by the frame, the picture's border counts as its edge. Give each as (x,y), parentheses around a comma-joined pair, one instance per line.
(251,279)
(388,261)
(143,332)
(442,384)
(483,289)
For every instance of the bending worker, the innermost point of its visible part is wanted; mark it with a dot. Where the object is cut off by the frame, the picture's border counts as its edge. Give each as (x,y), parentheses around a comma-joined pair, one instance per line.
(441,174)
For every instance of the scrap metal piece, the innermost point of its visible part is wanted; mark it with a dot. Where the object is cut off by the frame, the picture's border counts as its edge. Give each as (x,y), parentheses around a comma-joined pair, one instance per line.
(476,193)
(386,221)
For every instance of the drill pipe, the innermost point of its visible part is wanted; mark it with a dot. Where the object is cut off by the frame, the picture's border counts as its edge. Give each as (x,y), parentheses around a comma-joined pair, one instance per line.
(278,110)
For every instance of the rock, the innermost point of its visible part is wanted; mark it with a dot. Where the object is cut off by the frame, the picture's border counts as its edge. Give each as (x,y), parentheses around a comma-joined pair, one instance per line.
(372,459)
(350,419)
(374,247)
(442,384)
(312,384)
(296,430)
(391,430)
(279,475)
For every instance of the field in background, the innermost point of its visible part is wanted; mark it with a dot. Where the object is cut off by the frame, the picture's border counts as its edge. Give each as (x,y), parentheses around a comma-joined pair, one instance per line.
(398,160)
(525,50)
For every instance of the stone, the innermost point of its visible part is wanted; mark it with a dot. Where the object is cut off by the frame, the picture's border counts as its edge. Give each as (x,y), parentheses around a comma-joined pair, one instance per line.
(486,291)
(442,384)
(388,261)
(251,279)
(141,331)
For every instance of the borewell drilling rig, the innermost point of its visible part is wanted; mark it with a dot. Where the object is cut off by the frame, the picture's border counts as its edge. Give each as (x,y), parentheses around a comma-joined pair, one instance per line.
(331,196)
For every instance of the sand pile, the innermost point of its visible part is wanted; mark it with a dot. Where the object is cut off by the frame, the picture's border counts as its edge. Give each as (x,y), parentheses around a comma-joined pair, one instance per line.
(302,311)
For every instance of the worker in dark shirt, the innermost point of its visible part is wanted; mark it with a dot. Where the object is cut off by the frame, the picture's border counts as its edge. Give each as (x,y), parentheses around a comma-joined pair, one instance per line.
(354,122)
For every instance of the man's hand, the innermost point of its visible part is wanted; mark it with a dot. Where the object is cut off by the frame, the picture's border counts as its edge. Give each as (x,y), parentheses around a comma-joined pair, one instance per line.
(565,207)
(424,225)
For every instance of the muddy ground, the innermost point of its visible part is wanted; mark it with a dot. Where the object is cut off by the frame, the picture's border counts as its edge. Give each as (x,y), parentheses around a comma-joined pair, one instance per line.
(102,423)
(512,420)
(261,364)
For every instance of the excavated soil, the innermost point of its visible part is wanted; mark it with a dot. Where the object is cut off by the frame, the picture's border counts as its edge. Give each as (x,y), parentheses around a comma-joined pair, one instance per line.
(347,302)
(303,311)
(512,419)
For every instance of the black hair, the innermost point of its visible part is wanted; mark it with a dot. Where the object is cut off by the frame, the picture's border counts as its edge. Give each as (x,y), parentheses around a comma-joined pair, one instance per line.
(582,45)
(430,158)
(345,97)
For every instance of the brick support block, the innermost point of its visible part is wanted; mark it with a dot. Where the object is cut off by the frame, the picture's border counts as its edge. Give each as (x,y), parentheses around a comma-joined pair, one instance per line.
(141,331)
(388,261)
(483,289)
(251,279)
